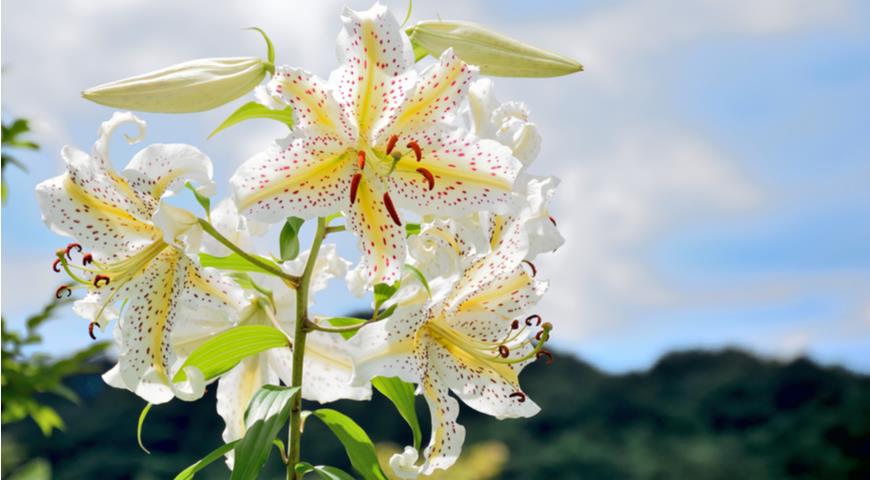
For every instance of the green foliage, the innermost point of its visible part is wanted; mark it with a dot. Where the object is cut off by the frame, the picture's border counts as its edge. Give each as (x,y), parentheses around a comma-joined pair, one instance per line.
(270,49)
(201,199)
(189,472)
(288,241)
(252,110)
(402,395)
(25,377)
(356,442)
(234,262)
(225,350)
(267,415)
(346,322)
(11,138)
(139,426)
(422,278)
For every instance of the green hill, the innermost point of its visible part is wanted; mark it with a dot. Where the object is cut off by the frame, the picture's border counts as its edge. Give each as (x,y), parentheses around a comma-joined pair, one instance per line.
(694,415)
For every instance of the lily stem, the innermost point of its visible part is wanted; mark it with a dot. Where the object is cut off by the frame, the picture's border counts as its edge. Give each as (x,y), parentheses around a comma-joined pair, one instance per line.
(302,320)
(291,280)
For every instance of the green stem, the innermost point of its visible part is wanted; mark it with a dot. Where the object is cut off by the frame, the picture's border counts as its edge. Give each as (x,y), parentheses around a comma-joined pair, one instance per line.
(291,280)
(299,350)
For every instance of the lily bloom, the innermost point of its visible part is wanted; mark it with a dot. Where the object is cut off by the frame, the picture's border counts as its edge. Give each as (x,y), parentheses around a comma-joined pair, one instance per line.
(134,255)
(470,332)
(374,139)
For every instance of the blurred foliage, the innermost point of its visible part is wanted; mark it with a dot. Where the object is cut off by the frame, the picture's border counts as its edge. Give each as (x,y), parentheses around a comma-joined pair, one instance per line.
(694,415)
(11,139)
(25,377)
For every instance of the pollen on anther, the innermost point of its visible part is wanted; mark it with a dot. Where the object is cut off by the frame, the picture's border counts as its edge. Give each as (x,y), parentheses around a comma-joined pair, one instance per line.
(545,353)
(63,288)
(354,186)
(413,145)
(535,317)
(87,259)
(391,209)
(361,159)
(70,248)
(519,395)
(56,265)
(101,278)
(532,266)
(430,179)
(504,351)
(91,330)
(391,143)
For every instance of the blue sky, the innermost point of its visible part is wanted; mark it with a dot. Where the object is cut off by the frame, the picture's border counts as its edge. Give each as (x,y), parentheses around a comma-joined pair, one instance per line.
(714,155)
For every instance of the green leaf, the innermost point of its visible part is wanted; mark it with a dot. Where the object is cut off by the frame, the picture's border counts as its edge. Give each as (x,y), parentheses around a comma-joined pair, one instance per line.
(189,472)
(36,469)
(267,414)
(417,273)
(201,199)
(289,239)
(139,427)
(223,351)
(412,229)
(270,49)
(303,467)
(386,313)
(402,395)
(252,110)
(234,262)
(384,292)
(345,322)
(46,418)
(357,444)
(331,473)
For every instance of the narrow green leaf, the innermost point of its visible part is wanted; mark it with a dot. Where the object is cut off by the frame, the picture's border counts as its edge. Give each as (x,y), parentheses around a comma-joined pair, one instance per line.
(267,414)
(402,395)
(270,49)
(417,273)
(234,262)
(139,427)
(288,241)
(345,322)
(332,473)
(252,110)
(203,201)
(189,472)
(357,444)
(384,292)
(303,467)
(386,313)
(225,350)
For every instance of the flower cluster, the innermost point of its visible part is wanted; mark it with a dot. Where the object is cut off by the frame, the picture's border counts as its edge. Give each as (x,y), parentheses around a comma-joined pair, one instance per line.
(427,169)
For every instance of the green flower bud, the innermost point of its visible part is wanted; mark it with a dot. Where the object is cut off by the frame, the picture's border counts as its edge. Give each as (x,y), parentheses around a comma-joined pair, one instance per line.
(192,86)
(495,54)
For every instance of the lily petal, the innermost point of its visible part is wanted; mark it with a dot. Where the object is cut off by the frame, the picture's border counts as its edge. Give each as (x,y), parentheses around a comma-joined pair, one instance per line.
(445,443)
(158,170)
(381,240)
(312,102)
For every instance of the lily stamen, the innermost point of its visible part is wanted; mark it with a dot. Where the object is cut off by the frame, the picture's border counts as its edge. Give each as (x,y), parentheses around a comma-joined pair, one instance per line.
(418,152)
(545,353)
(70,247)
(391,209)
(87,259)
(55,265)
(354,186)
(100,278)
(532,266)
(61,289)
(91,330)
(428,176)
(533,317)
(504,351)
(361,159)
(520,395)
(391,143)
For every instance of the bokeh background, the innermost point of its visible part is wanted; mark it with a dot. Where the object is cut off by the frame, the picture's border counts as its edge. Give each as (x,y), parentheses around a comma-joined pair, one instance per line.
(715,160)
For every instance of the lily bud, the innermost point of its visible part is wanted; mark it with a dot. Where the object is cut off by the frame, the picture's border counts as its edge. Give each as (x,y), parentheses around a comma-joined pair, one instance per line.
(192,86)
(495,54)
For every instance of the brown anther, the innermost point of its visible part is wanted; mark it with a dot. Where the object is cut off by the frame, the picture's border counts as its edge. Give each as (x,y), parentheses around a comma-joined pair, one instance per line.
(520,395)
(70,247)
(91,330)
(388,202)
(553,221)
(361,159)
(354,186)
(544,353)
(56,265)
(532,266)
(504,351)
(515,325)
(63,288)
(87,259)
(535,317)
(418,152)
(391,143)
(100,278)
(539,334)
(428,176)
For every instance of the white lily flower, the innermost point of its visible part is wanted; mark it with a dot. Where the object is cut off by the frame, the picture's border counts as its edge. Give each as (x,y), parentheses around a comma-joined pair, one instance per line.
(375,138)
(471,336)
(137,255)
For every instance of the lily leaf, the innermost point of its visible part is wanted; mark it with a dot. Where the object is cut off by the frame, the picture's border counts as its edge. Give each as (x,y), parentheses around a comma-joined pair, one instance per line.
(189,472)
(139,427)
(331,473)
(267,414)
(234,262)
(253,110)
(225,350)
(289,239)
(357,444)
(402,395)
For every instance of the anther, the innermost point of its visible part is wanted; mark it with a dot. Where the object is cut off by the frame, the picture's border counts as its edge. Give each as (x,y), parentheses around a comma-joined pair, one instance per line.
(539,334)
(70,247)
(56,265)
(520,395)
(545,353)
(361,159)
(533,317)
(101,278)
(413,145)
(91,330)
(504,351)
(553,221)
(87,259)
(391,143)
(532,266)
(63,288)
(388,202)
(515,325)
(354,186)
(547,326)
(428,176)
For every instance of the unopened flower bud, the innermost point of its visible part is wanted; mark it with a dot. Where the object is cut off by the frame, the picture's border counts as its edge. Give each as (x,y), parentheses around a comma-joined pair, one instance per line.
(192,86)
(495,54)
